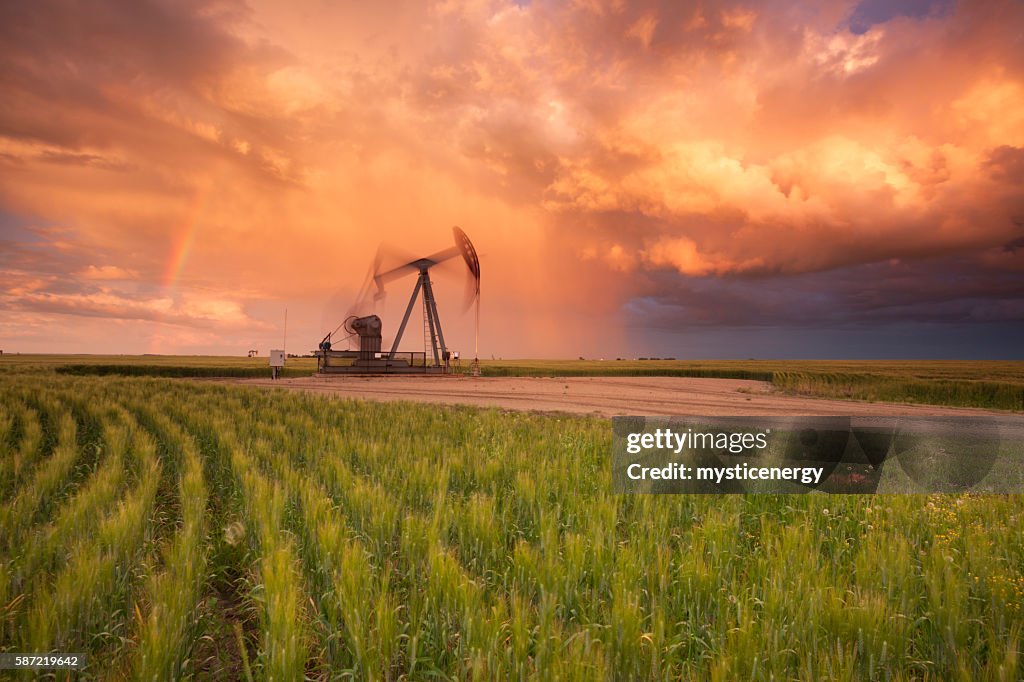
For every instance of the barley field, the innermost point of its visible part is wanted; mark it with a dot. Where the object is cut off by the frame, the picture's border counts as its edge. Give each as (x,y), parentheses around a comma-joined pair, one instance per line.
(183,530)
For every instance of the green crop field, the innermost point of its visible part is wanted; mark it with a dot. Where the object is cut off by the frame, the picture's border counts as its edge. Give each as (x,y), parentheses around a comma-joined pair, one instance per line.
(154,365)
(196,530)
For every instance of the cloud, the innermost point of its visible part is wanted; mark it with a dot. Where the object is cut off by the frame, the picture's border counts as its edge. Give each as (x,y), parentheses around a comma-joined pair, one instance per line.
(108,272)
(1006,164)
(607,157)
(84,84)
(860,296)
(681,254)
(208,312)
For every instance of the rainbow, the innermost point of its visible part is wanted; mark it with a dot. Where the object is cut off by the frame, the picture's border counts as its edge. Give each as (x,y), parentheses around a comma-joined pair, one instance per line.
(183,241)
(178,253)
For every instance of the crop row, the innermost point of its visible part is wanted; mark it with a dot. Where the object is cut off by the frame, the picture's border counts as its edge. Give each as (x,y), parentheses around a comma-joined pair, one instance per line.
(176,529)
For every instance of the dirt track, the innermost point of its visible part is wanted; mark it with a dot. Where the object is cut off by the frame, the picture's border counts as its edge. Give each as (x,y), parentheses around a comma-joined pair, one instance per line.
(603,396)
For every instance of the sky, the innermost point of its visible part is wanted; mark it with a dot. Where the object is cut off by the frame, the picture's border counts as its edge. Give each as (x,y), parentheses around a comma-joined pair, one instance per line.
(675,179)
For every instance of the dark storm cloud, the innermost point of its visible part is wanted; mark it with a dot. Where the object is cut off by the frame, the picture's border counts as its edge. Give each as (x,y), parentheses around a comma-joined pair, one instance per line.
(946,290)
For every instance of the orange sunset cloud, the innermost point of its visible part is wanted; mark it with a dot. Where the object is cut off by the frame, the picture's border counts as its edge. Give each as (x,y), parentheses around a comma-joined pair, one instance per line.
(635,176)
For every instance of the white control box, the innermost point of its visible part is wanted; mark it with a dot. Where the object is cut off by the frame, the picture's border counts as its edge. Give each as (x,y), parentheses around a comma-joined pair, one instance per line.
(277,358)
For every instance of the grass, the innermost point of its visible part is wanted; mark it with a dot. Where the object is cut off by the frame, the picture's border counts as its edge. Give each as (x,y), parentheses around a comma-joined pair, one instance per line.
(210,531)
(177,366)
(985,384)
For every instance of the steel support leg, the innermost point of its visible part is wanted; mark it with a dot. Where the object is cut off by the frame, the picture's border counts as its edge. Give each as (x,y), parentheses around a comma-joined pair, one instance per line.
(405,320)
(429,295)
